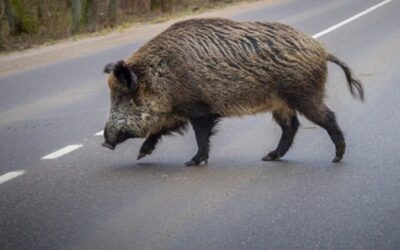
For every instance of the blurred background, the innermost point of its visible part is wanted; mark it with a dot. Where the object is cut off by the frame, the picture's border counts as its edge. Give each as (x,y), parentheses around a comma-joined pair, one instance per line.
(24,23)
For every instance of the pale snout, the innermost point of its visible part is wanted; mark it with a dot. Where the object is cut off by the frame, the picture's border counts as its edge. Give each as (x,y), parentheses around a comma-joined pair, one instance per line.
(114,136)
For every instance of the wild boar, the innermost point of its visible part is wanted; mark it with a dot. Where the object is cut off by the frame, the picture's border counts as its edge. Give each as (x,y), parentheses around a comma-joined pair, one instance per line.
(201,70)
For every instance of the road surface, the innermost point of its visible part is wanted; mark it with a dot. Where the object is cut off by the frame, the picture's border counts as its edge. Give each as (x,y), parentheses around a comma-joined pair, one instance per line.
(89,197)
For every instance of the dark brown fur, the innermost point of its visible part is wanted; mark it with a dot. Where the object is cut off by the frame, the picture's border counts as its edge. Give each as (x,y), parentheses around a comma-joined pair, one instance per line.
(203,69)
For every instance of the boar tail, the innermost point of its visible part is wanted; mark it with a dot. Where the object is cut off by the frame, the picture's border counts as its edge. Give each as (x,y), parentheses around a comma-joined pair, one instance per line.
(353,83)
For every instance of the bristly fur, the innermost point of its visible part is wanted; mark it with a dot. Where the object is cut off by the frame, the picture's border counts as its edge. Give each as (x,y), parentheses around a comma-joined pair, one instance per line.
(201,70)
(235,68)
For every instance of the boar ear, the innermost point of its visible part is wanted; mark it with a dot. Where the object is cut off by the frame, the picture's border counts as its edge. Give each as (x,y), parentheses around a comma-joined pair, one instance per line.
(109,68)
(125,75)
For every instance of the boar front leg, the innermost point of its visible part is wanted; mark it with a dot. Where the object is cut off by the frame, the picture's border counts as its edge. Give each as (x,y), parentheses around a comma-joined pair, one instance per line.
(203,129)
(150,143)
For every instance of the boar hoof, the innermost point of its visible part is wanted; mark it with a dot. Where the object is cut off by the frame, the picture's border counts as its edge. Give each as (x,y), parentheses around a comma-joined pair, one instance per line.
(141,155)
(273,156)
(191,163)
(337,159)
(196,162)
(145,150)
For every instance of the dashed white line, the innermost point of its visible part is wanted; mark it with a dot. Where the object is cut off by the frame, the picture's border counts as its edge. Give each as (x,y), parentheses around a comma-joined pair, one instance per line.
(11,175)
(332,28)
(100,133)
(61,152)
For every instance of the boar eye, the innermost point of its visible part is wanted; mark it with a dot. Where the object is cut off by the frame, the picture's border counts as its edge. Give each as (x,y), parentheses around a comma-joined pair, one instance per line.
(123,73)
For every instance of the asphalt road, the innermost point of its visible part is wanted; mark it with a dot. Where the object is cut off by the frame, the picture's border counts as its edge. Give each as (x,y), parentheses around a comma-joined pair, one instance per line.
(94,198)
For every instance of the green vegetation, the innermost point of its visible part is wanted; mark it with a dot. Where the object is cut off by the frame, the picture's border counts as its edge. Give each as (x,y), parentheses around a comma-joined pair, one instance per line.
(25,23)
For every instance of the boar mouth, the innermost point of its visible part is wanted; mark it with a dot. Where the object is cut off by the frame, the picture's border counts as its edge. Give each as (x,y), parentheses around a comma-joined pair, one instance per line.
(108,145)
(120,139)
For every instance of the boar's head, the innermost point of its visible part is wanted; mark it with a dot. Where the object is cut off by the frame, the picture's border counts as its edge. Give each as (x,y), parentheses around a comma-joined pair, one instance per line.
(128,118)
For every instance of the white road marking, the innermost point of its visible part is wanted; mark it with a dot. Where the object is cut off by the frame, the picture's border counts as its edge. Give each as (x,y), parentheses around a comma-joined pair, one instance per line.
(332,28)
(11,175)
(61,152)
(100,133)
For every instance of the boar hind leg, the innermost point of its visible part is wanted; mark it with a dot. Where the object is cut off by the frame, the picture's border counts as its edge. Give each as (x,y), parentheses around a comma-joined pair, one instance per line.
(289,124)
(203,129)
(324,117)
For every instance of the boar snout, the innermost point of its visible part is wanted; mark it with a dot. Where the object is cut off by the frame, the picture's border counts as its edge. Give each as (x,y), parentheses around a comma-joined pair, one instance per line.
(114,136)
(109,139)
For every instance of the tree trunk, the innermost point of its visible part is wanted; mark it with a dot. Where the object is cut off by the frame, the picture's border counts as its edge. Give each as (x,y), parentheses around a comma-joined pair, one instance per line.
(44,10)
(2,46)
(11,18)
(112,12)
(76,11)
(91,15)
(19,19)
(39,12)
(158,5)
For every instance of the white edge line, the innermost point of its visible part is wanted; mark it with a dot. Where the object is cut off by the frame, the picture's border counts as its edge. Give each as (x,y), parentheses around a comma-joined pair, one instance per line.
(100,133)
(332,28)
(11,175)
(61,152)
